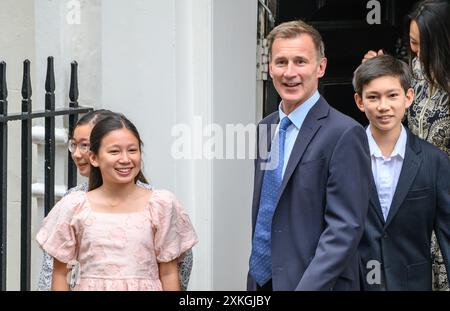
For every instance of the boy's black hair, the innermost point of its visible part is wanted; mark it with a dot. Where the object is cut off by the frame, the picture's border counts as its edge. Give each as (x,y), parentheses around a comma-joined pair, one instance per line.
(381,66)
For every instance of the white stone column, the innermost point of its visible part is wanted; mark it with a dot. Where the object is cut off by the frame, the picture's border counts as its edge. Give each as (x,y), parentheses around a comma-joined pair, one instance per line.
(194,104)
(234,102)
(216,85)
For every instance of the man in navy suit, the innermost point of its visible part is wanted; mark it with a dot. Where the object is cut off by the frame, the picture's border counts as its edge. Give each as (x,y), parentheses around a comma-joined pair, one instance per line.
(410,188)
(310,197)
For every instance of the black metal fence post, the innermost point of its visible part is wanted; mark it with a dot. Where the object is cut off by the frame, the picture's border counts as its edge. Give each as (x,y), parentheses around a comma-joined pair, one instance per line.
(3,170)
(49,193)
(73,103)
(25,215)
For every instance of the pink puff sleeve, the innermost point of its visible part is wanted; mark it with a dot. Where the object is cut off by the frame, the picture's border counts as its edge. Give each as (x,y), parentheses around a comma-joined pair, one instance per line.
(174,233)
(57,235)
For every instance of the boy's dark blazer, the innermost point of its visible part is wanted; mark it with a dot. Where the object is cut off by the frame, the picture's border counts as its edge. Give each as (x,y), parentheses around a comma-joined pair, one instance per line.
(421,204)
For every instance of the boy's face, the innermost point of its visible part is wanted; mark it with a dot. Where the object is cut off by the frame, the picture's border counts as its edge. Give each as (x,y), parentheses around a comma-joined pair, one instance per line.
(384,102)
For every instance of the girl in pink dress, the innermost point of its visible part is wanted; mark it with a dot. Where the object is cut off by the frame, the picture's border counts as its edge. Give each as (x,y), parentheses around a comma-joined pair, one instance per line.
(117,236)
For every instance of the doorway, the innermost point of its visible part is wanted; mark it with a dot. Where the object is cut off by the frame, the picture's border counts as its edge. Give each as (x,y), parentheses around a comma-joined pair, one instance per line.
(347,34)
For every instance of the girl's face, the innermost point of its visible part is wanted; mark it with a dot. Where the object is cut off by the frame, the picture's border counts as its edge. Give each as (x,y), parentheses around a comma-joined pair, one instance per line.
(414,38)
(80,148)
(119,157)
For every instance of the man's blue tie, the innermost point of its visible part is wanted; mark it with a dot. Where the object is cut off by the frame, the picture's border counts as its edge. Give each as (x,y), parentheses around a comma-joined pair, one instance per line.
(261,257)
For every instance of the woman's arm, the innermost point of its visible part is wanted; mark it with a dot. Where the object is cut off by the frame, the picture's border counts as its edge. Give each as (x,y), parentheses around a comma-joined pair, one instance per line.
(168,274)
(59,276)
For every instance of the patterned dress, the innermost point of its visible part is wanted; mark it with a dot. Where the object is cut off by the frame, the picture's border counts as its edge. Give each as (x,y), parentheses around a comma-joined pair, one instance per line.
(429,118)
(45,277)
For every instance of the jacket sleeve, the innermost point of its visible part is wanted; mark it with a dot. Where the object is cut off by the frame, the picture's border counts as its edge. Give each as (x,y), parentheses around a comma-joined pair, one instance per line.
(442,222)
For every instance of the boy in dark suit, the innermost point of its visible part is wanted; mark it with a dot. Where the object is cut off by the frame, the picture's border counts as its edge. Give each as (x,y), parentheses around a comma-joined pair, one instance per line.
(410,188)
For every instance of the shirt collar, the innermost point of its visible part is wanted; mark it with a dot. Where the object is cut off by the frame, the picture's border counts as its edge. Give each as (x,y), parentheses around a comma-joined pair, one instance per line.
(298,115)
(399,148)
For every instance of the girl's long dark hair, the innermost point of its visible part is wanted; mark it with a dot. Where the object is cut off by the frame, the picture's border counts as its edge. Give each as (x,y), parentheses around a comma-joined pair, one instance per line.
(92,117)
(433,20)
(115,121)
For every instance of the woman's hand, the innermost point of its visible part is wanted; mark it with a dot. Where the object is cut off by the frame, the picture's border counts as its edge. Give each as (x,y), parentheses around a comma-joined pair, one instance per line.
(370,54)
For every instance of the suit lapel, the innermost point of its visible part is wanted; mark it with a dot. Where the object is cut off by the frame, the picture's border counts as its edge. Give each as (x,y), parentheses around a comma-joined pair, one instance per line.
(411,165)
(374,200)
(308,130)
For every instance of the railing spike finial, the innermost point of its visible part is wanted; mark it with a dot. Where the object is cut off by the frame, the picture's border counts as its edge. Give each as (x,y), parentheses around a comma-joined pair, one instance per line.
(3,87)
(73,91)
(26,81)
(50,78)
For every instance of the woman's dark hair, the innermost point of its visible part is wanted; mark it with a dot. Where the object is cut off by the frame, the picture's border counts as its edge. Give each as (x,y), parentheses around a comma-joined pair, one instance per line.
(433,20)
(112,122)
(92,117)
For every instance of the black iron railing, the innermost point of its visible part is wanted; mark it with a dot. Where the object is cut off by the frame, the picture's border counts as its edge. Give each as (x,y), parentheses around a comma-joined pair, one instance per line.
(26,117)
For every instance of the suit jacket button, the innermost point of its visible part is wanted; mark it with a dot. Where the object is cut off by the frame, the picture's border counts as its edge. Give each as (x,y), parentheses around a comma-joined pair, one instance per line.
(385,236)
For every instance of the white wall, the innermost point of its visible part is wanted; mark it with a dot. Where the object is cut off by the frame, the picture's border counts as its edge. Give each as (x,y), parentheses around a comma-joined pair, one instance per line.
(193,178)
(138,75)
(234,102)
(17,40)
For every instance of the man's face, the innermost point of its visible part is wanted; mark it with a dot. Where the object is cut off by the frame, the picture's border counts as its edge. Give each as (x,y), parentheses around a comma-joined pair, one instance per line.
(295,69)
(384,102)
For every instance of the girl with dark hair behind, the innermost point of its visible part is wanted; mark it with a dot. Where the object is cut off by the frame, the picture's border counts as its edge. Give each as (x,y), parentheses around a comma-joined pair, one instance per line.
(117,236)
(428,117)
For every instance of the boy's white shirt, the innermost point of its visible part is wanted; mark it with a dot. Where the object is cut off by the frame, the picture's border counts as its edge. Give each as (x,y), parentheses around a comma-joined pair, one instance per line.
(386,170)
